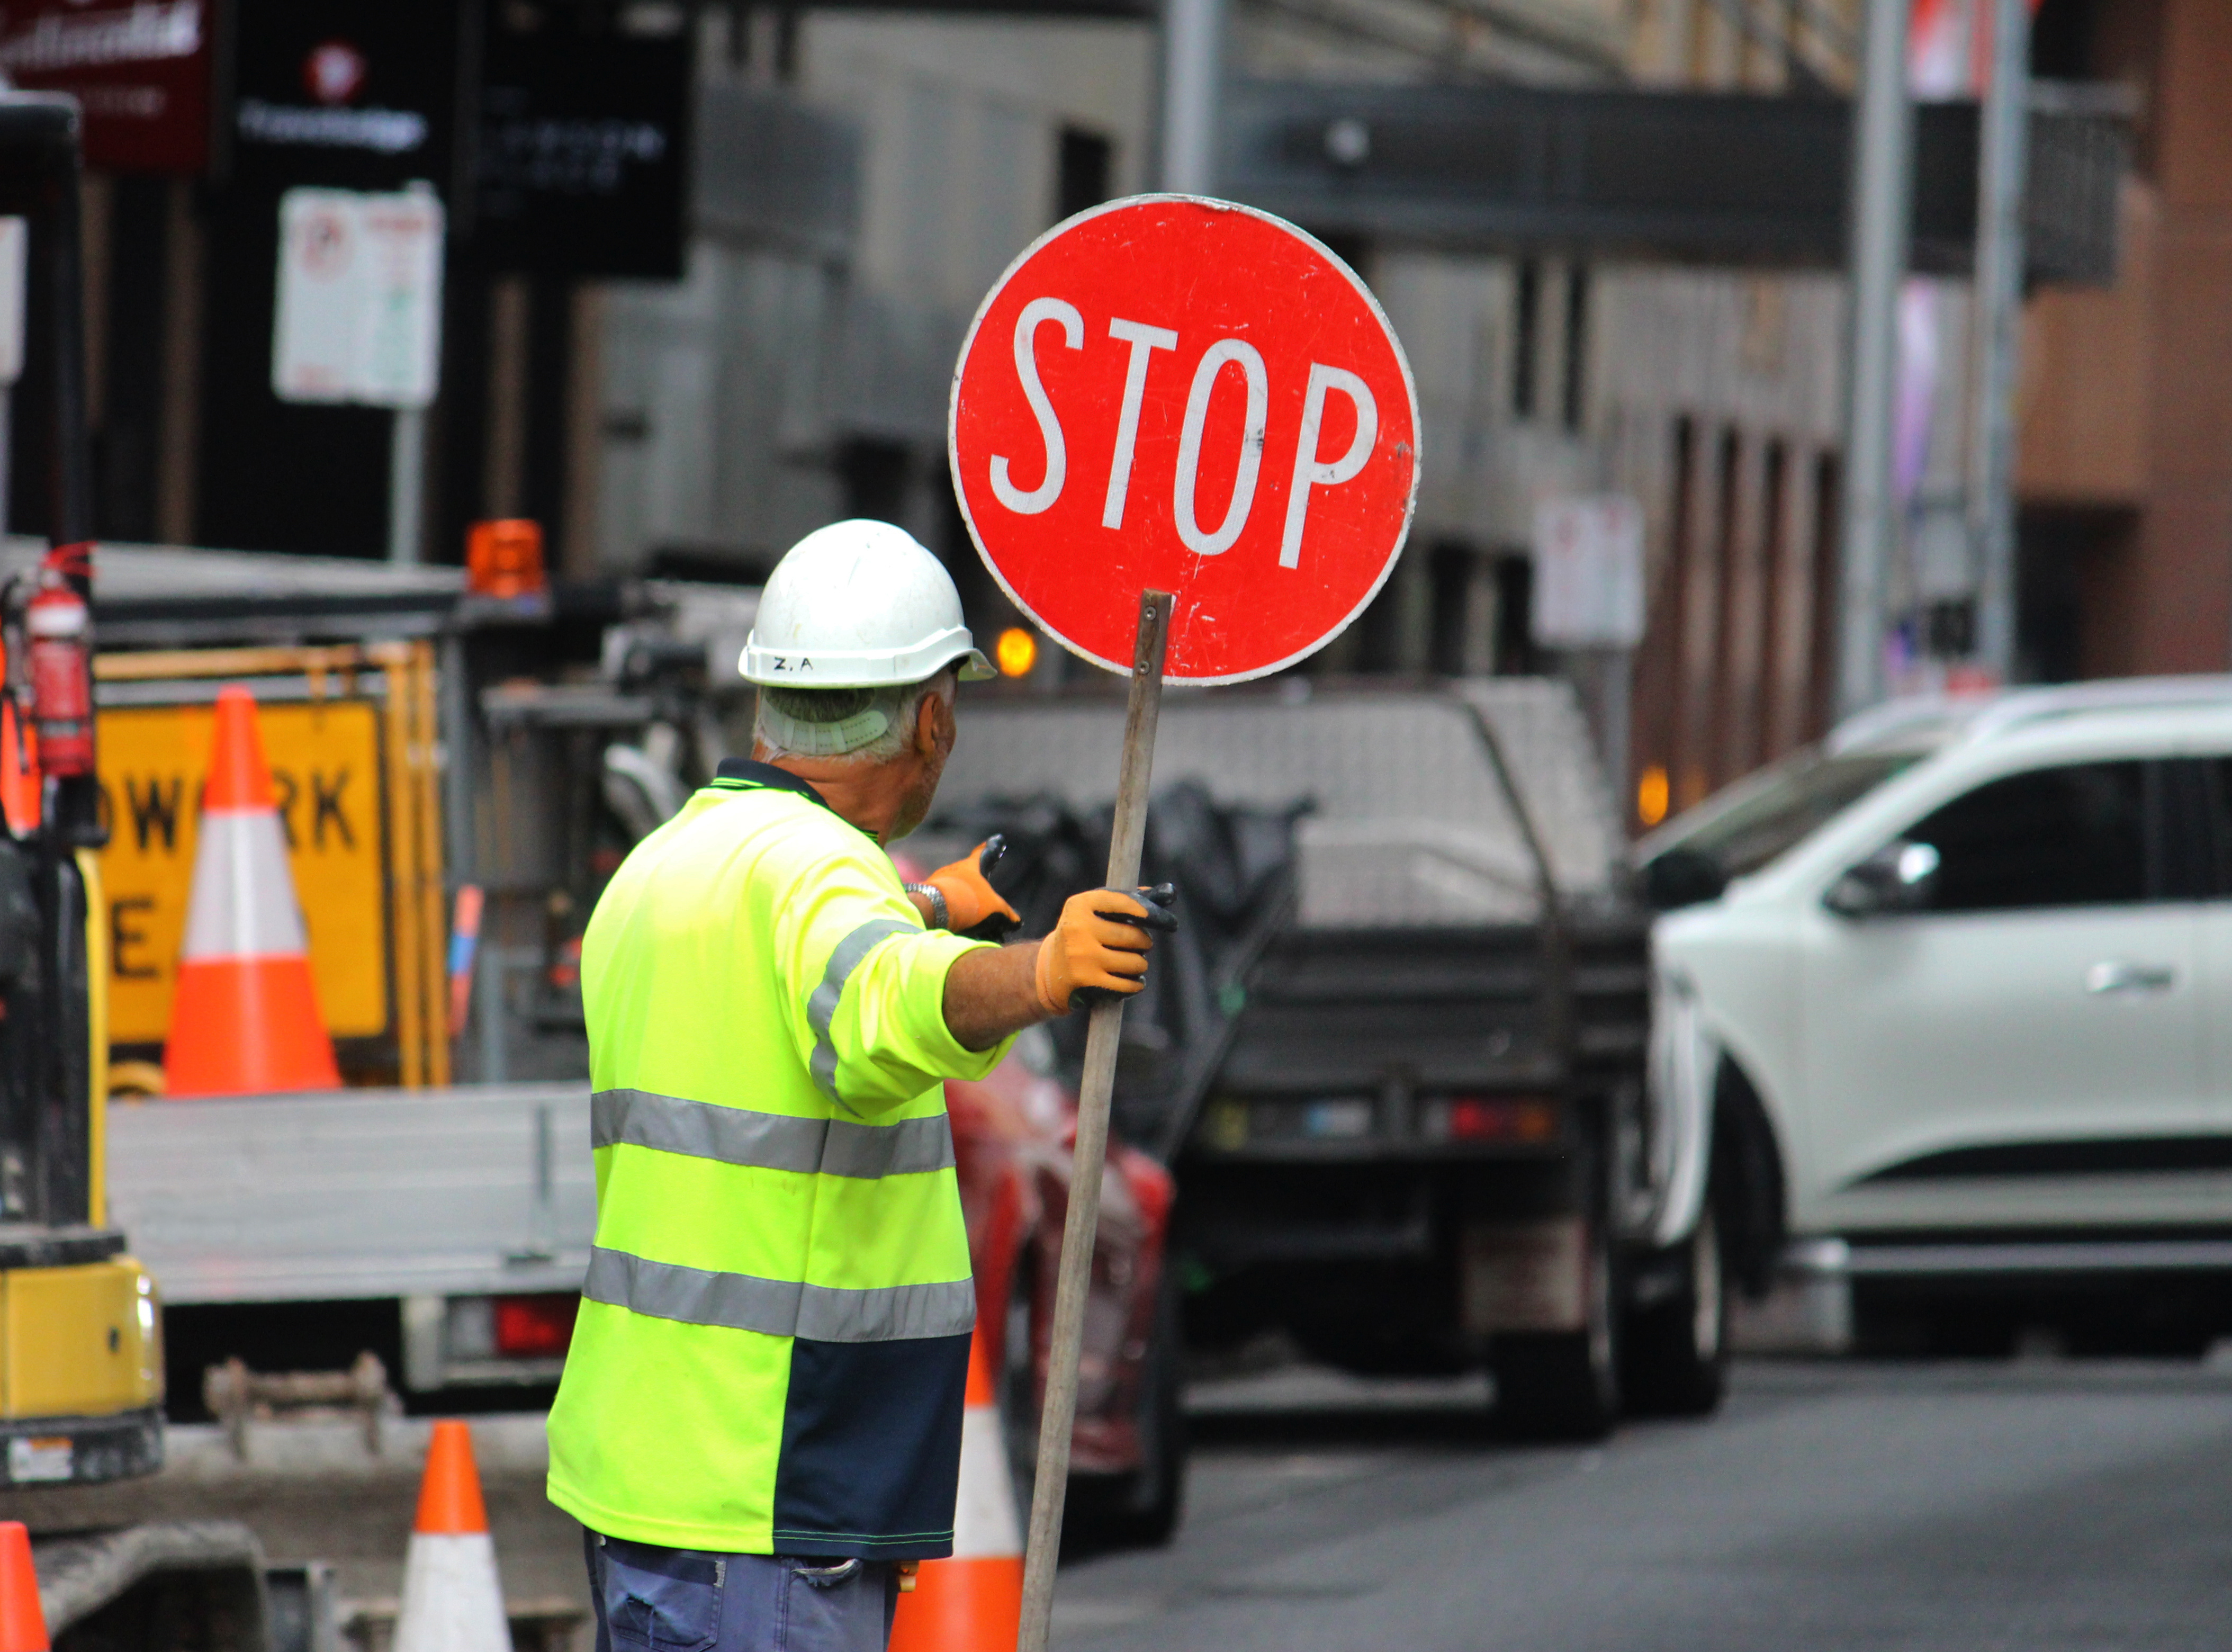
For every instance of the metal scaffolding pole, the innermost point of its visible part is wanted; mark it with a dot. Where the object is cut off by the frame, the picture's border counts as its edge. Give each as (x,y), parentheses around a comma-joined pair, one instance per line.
(1882,184)
(1193,51)
(1994,333)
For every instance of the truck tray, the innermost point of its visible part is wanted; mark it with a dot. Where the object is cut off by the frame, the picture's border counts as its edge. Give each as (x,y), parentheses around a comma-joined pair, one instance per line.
(356,1194)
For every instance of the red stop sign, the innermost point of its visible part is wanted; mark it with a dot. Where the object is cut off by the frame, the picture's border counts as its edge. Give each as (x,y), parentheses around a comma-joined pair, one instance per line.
(1173,394)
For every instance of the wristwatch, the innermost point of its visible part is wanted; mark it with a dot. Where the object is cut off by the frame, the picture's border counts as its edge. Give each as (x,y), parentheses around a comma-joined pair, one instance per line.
(941,916)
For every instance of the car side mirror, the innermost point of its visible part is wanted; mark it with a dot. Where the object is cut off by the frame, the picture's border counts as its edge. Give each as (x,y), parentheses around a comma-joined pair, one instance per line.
(1899,877)
(1682,876)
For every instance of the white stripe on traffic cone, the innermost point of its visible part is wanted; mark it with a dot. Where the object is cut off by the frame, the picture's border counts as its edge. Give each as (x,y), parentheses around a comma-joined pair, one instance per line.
(243,1010)
(973,1603)
(452,1599)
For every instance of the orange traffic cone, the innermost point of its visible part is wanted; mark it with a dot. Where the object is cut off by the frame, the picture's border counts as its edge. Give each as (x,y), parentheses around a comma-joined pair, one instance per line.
(20,788)
(22,1623)
(244,1016)
(452,1601)
(973,1603)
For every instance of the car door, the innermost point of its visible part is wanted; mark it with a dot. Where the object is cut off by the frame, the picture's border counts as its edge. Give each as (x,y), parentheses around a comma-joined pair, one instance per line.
(1966,1060)
(2213,781)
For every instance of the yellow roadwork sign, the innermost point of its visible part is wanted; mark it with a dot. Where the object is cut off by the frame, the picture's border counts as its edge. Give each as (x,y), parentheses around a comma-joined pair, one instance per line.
(325,773)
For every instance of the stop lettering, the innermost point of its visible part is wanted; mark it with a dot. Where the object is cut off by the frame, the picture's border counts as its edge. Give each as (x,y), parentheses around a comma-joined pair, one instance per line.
(1172,393)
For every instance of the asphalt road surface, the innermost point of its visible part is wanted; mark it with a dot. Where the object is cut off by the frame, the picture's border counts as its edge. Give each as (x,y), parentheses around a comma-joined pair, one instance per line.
(2033,1506)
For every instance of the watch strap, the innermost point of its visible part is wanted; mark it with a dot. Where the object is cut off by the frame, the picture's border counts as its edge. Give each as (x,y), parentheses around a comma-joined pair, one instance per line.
(941,915)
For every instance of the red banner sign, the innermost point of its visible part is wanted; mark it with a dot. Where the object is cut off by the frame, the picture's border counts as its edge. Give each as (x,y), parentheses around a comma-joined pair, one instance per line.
(140,68)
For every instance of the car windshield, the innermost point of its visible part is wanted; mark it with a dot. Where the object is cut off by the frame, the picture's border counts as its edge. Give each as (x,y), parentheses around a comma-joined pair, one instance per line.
(1789,808)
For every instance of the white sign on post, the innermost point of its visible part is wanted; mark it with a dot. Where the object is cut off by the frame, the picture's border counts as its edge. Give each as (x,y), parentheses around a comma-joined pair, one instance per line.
(1588,572)
(360,312)
(14,249)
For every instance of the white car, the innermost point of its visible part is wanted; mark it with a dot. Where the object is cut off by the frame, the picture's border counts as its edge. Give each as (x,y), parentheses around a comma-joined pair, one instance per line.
(1967,966)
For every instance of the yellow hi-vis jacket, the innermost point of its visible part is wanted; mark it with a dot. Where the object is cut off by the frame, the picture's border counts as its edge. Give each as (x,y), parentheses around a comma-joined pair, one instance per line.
(773,1344)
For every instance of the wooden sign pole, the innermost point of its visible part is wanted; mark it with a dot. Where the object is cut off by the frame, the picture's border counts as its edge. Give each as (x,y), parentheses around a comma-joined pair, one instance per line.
(1060,1412)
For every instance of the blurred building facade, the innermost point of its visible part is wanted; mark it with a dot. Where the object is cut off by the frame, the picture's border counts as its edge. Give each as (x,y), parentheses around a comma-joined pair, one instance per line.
(858,177)
(2126,474)
(781,384)
(1722,397)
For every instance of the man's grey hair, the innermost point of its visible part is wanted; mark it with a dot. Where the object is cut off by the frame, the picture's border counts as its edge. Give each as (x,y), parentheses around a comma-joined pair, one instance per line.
(860,725)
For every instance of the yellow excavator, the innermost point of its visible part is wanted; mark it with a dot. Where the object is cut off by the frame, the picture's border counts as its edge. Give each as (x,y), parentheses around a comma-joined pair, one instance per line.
(80,1341)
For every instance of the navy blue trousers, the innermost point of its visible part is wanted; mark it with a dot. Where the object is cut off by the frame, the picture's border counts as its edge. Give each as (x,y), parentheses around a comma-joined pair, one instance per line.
(650,1599)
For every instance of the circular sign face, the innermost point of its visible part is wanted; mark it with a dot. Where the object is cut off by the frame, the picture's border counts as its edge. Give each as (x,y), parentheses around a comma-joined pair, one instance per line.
(1179,394)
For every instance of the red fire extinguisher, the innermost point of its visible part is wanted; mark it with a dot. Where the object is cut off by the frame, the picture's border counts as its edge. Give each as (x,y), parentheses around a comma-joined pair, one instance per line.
(58,626)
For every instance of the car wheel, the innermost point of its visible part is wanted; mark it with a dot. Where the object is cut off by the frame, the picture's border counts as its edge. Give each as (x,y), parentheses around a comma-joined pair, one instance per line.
(1674,1352)
(1141,1510)
(1564,1385)
(1019,1399)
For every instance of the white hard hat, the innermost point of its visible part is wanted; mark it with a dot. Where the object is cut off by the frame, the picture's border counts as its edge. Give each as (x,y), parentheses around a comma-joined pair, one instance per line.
(858,604)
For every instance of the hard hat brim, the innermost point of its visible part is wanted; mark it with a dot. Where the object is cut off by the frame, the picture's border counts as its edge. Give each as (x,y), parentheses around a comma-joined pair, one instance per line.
(865,667)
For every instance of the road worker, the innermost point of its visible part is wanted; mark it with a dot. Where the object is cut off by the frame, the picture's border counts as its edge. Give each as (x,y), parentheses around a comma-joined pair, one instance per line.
(760,1419)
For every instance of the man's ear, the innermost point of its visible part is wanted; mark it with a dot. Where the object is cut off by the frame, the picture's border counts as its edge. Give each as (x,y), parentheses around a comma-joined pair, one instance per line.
(926,719)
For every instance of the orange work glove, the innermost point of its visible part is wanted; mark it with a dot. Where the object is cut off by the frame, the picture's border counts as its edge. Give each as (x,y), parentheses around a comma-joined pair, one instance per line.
(1101,945)
(968,893)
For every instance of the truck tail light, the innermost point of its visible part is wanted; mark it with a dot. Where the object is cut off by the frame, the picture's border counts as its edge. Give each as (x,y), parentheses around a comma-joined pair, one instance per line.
(537,1327)
(1502,1118)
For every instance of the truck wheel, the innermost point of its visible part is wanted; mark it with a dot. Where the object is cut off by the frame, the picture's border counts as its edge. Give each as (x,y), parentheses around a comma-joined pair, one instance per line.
(1674,1353)
(1564,1385)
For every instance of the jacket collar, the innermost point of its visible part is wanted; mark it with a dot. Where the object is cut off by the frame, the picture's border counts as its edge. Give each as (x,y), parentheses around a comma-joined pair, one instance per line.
(748,772)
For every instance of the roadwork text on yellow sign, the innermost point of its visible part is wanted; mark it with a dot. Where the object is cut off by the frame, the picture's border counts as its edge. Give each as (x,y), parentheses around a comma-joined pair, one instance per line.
(326,778)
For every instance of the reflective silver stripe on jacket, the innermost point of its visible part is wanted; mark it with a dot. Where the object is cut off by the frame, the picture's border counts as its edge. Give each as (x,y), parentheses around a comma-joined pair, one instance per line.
(738,1135)
(821,1008)
(777,1308)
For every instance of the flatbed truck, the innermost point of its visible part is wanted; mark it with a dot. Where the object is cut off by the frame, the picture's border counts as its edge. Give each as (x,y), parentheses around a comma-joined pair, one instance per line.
(1438,1136)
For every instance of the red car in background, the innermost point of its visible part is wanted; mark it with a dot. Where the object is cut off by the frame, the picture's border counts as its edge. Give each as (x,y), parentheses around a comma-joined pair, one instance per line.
(1012,1135)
